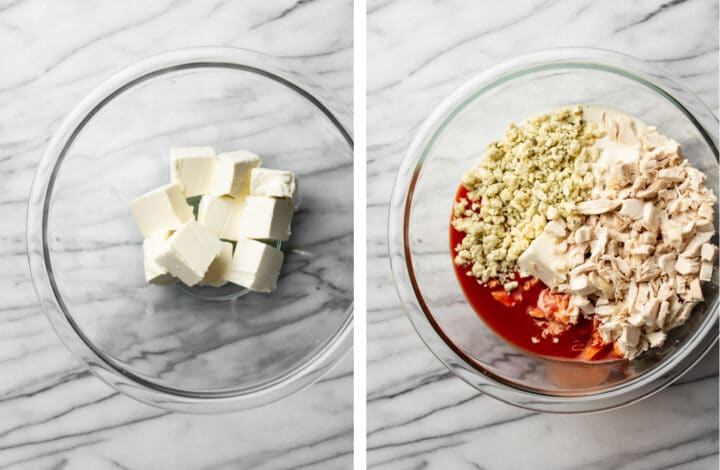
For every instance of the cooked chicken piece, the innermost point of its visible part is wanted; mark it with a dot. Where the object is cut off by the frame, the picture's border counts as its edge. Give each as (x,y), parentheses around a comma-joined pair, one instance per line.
(708,252)
(696,178)
(583,235)
(653,140)
(705,211)
(706,270)
(671,232)
(641,250)
(672,175)
(647,314)
(556,228)
(662,313)
(667,151)
(582,268)
(618,236)
(648,238)
(580,301)
(632,208)
(620,175)
(602,285)
(648,272)
(688,228)
(576,255)
(667,263)
(685,265)
(684,313)
(597,246)
(695,291)
(695,244)
(640,183)
(704,225)
(630,335)
(650,216)
(656,338)
(622,266)
(627,134)
(650,191)
(597,206)
(606,310)
(580,285)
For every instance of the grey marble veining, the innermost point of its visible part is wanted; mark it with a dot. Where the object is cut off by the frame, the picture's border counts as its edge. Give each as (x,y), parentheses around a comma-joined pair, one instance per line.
(419,414)
(53,413)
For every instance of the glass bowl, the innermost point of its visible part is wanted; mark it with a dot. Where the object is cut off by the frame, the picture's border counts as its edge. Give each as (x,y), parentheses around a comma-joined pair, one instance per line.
(449,143)
(198,350)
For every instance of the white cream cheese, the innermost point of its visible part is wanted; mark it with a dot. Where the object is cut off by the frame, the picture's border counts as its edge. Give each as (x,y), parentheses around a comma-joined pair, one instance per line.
(152,247)
(231,175)
(193,167)
(266,218)
(272,183)
(189,252)
(221,215)
(161,209)
(255,265)
(216,274)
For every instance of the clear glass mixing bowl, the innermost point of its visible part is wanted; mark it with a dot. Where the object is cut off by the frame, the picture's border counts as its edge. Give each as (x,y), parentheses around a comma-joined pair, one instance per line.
(449,143)
(201,349)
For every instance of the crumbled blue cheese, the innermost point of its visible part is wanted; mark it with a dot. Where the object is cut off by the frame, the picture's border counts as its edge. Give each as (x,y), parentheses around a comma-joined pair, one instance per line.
(536,173)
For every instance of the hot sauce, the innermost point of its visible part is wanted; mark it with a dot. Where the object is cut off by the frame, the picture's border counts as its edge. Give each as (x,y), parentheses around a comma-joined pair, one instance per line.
(513,316)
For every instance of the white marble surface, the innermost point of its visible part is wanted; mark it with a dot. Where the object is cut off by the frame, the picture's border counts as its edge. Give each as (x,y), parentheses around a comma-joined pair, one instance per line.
(53,413)
(419,414)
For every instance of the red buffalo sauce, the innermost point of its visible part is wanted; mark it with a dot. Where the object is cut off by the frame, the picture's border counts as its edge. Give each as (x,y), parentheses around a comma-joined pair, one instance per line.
(514,316)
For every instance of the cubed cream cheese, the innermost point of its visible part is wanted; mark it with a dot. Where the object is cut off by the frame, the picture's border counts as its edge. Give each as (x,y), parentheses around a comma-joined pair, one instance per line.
(540,260)
(189,252)
(193,167)
(221,215)
(216,274)
(266,218)
(232,173)
(272,183)
(255,265)
(161,209)
(152,247)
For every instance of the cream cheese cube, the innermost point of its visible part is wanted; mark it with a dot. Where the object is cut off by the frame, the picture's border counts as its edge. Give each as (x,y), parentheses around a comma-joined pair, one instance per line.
(272,183)
(216,274)
(193,167)
(255,265)
(189,252)
(161,209)
(540,260)
(152,247)
(232,173)
(266,218)
(221,215)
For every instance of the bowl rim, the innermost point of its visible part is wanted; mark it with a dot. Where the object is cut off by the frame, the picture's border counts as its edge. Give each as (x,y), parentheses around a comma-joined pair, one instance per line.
(655,379)
(318,362)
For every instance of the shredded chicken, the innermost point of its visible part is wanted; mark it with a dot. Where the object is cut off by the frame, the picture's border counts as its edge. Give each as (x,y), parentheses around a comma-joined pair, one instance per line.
(638,260)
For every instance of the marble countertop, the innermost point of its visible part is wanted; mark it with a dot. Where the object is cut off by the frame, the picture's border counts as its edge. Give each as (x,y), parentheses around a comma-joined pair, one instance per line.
(419,414)
(53,413)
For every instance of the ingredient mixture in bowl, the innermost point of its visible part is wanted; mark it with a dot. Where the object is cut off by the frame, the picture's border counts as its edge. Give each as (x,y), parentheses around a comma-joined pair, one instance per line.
(584,234)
